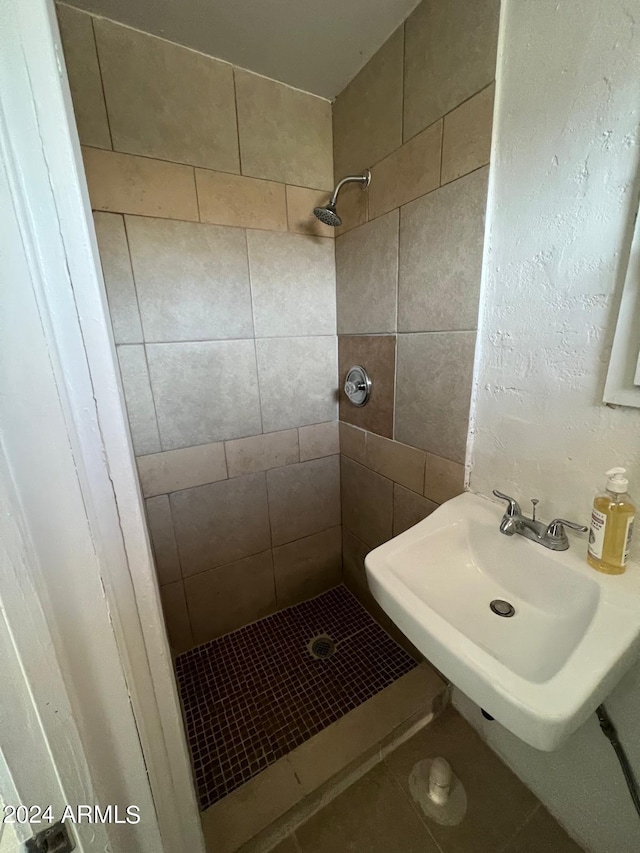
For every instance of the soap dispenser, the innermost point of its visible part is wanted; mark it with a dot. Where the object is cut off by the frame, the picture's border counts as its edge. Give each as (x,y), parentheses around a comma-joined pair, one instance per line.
(611,529)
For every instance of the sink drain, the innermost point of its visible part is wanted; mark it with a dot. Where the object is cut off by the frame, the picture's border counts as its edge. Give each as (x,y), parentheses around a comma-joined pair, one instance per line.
(502,608)
(321,647)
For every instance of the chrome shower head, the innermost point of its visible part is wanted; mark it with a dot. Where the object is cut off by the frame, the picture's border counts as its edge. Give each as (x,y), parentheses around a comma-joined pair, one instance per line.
(328,214)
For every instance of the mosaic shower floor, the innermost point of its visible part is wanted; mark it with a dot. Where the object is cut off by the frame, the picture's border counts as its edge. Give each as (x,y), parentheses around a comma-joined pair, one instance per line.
(252,696)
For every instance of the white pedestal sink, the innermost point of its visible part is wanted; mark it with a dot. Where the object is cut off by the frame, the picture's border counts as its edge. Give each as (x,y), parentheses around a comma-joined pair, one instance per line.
(545,669)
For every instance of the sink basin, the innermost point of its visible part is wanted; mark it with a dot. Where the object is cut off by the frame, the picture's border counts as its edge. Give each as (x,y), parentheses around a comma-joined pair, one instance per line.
(540,672)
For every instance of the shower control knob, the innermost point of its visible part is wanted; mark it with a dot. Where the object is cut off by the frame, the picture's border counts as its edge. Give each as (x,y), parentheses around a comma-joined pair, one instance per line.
(357,385)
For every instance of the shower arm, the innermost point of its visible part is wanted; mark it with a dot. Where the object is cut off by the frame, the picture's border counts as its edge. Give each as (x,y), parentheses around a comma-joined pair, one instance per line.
(364,179)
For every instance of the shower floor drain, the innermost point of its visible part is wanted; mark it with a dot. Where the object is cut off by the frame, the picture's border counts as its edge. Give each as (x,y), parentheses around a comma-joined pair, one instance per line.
(321,647)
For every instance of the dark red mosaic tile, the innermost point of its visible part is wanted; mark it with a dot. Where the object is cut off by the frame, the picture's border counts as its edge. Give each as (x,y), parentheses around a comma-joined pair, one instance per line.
(252,696)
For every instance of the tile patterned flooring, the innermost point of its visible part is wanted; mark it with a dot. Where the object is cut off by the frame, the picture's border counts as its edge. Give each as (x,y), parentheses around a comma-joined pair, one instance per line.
(378,815)
(252,696)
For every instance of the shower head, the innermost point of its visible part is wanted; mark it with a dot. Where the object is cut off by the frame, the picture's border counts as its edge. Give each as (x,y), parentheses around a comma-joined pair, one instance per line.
(328,214)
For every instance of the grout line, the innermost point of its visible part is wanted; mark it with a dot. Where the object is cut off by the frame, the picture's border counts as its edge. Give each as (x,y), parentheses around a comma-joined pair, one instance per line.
(235,106)
(195,189)
(520,828)
(104,95)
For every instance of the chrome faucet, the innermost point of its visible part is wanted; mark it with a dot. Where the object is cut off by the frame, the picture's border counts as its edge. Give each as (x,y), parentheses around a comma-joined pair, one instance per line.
(552,535)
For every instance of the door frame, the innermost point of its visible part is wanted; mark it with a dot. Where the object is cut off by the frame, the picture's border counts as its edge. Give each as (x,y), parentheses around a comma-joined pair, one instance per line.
(48,185)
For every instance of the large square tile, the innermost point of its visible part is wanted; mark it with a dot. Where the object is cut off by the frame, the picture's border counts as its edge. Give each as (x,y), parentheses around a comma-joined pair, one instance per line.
(285,134)
(192,280)
(293,284)
(318,440)
(176,617)
(173,470)
(261,452)
(139,400)
(450,53)
(498,803)
(409,508)
(367,115)
(304,498)
(167,101)
(300,206)
(377,354)
(118,278)
(228,597)
(372,816)
(227,199)
(367,277)
(204,391)
(123,183)
(396,461)
(221,522)
(466,145)
(367,503)
(409,172)
(433,395)
(163,539)
(81,59)
(441,243)
(298,379)
(443,479)
(306,567)
(542,833)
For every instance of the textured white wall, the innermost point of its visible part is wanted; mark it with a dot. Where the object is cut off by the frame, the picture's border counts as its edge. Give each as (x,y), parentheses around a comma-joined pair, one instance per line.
(562,198)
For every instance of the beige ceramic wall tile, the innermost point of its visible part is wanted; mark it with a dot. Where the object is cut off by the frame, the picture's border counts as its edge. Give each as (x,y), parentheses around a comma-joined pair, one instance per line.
(319,440)
(304,499)
(139,400)
(204,391)
(261,452)
(293,284)
(161,473)
(367,503)
(308,566)
(354,551)
(367,277)
(297,381)
(441,245)
(221,522)
(353,207)
(81,59)
(409,508)
(118,278)
(450,53)
(377,355)
(353,442)
(227,597)
(410,171)
(300,205)
(249,809)
(542,832)
(398,462)
(434,415)
(285,134)
(127,184)
(167,101)
(443,479)
(192,280)
(227,199)
(467,136)
(163,539)
(367,115)
(176,617)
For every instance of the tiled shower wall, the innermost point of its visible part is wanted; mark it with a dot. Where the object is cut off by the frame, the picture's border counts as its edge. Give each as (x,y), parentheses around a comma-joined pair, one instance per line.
(221,289)
(408,265)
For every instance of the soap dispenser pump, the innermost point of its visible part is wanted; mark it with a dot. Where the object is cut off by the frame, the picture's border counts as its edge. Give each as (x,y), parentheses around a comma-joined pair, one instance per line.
(611,529)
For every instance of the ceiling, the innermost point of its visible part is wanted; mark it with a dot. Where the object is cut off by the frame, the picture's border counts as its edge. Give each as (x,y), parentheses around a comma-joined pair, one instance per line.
(315,45)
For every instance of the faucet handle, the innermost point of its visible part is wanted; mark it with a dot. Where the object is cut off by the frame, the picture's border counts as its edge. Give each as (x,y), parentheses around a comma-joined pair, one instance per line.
(513,507)
(556,527)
